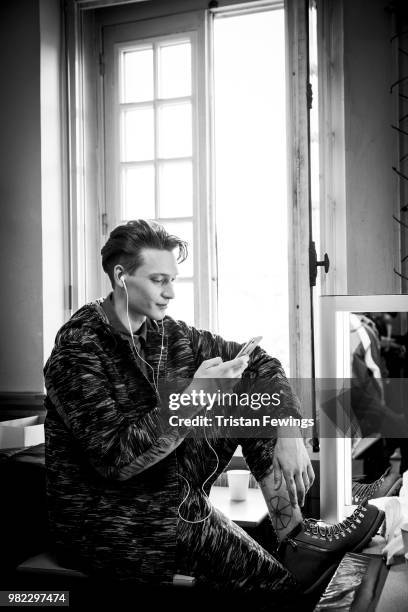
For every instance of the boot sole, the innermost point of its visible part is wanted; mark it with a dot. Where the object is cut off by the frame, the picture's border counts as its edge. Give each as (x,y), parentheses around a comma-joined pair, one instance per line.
(330,571)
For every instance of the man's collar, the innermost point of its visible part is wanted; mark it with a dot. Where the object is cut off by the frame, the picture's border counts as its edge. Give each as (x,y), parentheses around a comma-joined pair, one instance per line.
(116,323)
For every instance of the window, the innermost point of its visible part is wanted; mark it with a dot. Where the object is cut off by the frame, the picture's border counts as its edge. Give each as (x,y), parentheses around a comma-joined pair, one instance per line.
(200,146)
(162,127)
(152,103)
(251,220)
(155,171)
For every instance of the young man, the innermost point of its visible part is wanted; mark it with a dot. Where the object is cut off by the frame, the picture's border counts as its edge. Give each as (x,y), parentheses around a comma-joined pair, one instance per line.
(128,492)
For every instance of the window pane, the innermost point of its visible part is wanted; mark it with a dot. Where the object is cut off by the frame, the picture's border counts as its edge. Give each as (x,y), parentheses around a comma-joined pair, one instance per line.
(176,189)
(251,183)
(137,134)
(137,75)
(138,192)
(175,130)
(175,70)
(182,307)
(183,230)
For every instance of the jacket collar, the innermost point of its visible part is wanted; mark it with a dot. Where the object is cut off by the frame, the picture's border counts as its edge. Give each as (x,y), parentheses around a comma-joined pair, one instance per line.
(153,334)
(94,317)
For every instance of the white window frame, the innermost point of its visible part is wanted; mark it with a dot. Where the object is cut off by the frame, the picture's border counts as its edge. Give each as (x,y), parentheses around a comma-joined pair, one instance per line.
(332,158)
(83,196)
(193,26)
(297,177)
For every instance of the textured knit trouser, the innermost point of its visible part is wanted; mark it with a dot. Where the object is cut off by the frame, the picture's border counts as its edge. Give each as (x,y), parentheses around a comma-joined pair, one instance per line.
(216,550)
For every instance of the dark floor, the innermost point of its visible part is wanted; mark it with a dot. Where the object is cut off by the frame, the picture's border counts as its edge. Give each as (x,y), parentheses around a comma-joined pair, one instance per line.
(95,595)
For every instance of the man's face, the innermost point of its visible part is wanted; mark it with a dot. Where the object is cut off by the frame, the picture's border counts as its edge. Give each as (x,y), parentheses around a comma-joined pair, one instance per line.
(151,286)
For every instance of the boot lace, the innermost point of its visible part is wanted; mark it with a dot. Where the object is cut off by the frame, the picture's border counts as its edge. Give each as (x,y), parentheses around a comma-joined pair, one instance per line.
(330,532)
(366,491)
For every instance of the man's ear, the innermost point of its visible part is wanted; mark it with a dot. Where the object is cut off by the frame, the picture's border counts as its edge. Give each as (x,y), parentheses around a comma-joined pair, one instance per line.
(119,275)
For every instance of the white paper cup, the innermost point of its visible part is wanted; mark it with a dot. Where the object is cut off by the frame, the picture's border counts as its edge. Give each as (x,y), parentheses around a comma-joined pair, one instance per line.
(238,481)
(404,533)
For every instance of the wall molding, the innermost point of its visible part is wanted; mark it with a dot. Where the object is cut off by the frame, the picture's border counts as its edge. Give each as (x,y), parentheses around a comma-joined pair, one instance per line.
(19,404)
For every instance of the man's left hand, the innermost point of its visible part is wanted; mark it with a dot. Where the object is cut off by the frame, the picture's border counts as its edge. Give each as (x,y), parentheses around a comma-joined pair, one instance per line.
(291,461)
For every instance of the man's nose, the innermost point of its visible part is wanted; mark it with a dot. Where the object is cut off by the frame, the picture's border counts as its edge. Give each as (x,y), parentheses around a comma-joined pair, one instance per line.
(168,292)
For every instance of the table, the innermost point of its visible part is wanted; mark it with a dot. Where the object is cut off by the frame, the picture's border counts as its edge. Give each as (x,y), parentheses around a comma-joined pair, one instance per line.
(394,595)
(248,513)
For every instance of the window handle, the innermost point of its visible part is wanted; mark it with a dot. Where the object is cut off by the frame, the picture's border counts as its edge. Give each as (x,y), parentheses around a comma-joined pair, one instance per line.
(313,263)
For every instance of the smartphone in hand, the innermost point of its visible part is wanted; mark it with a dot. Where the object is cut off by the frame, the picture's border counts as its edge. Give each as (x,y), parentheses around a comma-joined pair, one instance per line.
(249,346)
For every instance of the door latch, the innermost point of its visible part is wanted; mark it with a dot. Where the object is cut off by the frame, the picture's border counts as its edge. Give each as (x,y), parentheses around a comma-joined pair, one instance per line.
(313,263)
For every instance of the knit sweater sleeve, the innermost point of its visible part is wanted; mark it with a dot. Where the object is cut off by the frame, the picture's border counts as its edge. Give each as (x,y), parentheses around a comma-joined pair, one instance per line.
(117,446)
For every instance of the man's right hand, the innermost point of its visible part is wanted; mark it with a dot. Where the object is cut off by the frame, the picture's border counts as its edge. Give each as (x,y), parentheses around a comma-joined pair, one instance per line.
(217,375)
(217,368)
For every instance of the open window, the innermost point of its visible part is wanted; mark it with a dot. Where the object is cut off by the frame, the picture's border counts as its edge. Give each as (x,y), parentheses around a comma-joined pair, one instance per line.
(198,118)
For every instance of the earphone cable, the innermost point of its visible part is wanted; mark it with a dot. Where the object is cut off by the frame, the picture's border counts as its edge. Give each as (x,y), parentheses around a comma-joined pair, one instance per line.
(202,487)
(156,385)
(155,381)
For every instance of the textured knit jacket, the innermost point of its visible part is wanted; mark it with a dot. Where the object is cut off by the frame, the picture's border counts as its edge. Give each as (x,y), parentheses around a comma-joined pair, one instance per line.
(111,461)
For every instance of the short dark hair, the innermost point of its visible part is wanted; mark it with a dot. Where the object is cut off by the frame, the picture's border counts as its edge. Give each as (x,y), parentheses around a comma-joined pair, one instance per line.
(126,242)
